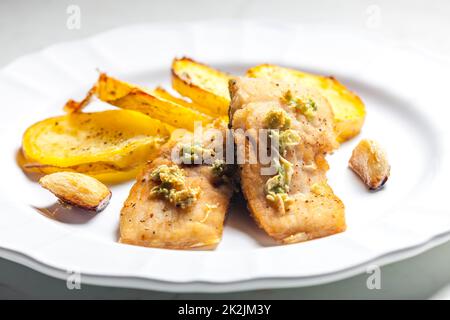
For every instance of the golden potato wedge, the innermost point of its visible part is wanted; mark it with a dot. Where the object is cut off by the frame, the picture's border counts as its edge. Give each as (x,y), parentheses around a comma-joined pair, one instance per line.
(75,106)
(115,177)
(86,168)
(164,94)
(158,105)
(369,162)
(349,110)
(205,86)
(77,189)
(121,139)
(106,173)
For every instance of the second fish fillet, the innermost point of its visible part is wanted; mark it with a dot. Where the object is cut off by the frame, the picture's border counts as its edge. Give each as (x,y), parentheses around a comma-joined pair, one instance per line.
(294,203)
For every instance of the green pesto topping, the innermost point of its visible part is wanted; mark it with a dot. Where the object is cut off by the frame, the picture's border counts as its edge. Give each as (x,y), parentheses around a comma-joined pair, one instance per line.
(286,139)
(224,172)
(307,107)
(219,168)
(277,119)
(172,186)
(277,187)
(193,153)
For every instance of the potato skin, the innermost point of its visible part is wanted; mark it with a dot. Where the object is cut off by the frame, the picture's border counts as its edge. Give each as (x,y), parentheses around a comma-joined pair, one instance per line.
(369,162)
(77,189)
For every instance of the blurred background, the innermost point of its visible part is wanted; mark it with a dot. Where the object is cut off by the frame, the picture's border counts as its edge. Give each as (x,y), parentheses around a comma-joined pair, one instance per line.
(27,26)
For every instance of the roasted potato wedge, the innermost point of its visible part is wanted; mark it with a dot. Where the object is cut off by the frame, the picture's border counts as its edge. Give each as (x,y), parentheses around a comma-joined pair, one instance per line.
(106,173)
(205,86)
(158,105)
(118,139)
(77,189)
(349,110)
(75,106)
(369,162)
(164,94)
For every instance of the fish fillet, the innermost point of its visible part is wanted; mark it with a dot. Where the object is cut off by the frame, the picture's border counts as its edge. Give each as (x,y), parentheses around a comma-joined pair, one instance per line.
(314,211)
(152,221)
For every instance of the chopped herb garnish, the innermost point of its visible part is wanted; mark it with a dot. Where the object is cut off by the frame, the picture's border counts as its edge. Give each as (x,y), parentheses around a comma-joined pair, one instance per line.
(194,153)
(277,119)
(219,168)
(307,107)
(277,187)
(286,139)
(172,186)
(224,172)
(279,124)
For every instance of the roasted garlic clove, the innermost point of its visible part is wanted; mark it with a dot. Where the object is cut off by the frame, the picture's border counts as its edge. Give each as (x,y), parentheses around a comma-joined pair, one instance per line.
(369,161)
(77,189)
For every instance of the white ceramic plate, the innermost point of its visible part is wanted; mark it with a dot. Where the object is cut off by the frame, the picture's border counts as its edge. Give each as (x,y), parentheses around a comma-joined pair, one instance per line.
(407,111)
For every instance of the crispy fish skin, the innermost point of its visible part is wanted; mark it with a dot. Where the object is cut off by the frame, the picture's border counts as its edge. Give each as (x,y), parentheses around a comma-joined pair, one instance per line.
(151,221)
(315,211)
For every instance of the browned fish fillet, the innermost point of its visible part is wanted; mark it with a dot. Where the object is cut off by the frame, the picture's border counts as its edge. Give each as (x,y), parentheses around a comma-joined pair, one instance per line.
(149,219)
(310,209)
